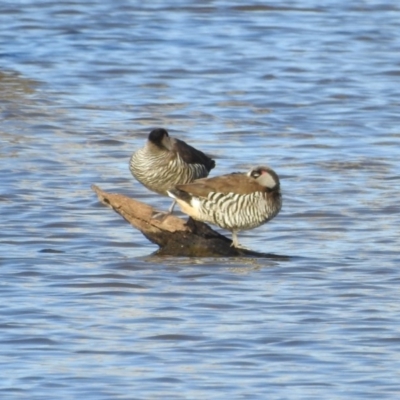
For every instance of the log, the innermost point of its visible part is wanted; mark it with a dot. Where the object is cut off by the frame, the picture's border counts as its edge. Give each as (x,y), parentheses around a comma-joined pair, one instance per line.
(173,235)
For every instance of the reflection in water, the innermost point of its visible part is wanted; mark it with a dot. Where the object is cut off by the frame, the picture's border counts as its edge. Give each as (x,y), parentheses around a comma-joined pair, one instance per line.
(14,86)
(238,265)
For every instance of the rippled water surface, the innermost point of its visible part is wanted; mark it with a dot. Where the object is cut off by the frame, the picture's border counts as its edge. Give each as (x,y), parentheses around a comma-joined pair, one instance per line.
(310,89)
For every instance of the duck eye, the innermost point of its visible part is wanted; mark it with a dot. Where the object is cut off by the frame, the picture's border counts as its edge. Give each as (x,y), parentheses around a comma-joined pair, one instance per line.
(256,174)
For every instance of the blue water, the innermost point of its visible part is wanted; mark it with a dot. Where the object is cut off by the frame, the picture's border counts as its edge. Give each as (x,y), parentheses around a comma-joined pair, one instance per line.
(310,89)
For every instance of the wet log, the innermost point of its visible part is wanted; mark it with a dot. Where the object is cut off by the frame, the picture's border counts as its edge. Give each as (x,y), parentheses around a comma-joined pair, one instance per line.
(173,235)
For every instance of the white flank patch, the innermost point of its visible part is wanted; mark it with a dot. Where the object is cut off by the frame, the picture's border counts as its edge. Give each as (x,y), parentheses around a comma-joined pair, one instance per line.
(195,203)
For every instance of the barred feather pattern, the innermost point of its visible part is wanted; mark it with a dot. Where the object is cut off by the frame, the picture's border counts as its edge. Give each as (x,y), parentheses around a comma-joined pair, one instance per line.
(159,172)
(237,212)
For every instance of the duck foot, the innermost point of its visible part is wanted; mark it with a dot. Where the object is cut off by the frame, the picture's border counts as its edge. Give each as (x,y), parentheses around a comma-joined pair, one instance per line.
(160,215)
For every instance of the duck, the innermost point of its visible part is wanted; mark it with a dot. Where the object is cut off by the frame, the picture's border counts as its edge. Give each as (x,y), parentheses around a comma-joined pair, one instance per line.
(236,202)
(164,162)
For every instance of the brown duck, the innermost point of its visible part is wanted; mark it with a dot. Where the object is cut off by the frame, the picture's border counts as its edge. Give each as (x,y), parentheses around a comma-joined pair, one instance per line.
(164,162)
(236,202)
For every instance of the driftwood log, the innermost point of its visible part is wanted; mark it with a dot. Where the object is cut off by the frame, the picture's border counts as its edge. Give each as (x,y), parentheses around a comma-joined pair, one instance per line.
(172,234)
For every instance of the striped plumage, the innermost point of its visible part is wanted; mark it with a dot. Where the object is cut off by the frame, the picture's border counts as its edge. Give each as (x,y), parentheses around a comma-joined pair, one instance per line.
(165,162)
(235,202)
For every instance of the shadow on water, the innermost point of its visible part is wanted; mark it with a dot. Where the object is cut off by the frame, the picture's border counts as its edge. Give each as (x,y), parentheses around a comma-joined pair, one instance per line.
(258,261)
(247,255)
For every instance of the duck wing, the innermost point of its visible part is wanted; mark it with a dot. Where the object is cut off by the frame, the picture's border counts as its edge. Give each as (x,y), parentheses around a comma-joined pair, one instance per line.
(237,183)
(191,155)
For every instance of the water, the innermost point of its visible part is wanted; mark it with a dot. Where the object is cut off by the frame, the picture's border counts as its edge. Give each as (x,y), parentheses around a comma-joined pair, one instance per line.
(310,89)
